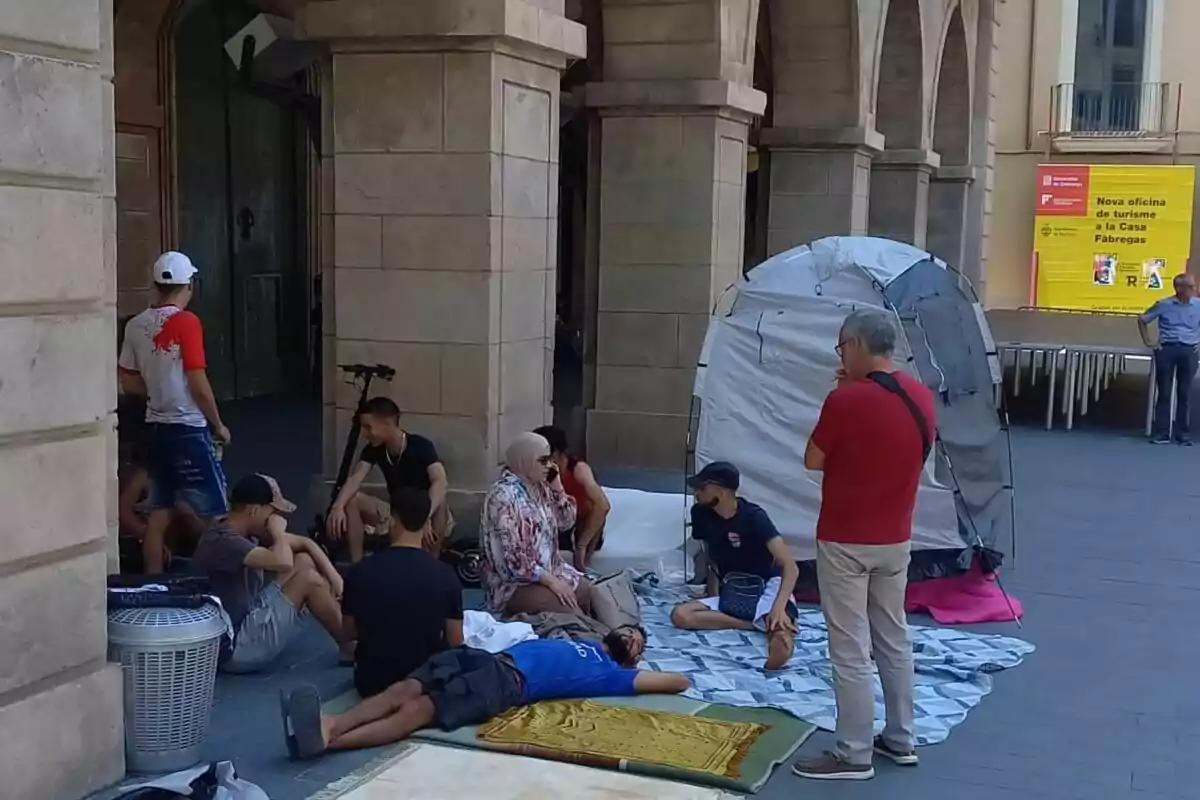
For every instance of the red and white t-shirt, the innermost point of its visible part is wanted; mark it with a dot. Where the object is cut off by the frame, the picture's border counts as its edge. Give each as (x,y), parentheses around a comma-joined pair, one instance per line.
(162,344)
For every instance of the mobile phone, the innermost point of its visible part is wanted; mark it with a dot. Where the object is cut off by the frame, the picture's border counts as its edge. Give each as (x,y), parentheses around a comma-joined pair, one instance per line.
(551,474)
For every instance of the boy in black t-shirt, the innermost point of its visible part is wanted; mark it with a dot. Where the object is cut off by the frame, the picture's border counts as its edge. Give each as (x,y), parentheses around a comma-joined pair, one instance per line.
(741,541)
(402,604)
(407,461)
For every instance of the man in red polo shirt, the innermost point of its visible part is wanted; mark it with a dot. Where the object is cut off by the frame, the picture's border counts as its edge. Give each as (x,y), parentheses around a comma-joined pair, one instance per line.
(871,441)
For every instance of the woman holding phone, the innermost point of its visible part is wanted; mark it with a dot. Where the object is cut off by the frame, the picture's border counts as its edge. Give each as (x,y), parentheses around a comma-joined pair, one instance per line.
(522,516)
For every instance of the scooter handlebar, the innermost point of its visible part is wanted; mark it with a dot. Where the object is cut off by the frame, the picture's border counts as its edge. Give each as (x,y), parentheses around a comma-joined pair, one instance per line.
(373,370)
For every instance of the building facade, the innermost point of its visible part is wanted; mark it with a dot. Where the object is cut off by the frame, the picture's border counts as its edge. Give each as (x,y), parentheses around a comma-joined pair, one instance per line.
(528,207)
(1085,82)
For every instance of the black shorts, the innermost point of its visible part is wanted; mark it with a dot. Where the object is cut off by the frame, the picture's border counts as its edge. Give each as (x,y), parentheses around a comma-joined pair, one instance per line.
(566,539)
(468,686)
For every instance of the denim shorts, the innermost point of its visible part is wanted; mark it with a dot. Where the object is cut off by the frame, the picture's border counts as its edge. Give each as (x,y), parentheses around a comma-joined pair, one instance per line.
(183,467)
(264,632)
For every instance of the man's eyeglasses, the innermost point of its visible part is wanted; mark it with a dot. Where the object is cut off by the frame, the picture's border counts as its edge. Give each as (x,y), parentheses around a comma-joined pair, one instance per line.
(840,347)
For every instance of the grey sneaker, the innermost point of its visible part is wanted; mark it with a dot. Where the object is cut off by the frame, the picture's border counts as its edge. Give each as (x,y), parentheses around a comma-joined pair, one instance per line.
(1160,439)
(901,757)
(831,767)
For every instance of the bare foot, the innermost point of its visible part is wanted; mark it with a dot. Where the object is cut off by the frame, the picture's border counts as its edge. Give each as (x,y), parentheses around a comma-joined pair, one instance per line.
(780,646)
(326,730)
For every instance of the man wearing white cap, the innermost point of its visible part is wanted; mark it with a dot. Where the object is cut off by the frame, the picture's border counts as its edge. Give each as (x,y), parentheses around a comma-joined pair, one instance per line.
(162,359)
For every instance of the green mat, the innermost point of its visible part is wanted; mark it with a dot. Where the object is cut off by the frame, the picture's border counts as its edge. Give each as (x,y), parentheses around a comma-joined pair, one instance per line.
(783,737)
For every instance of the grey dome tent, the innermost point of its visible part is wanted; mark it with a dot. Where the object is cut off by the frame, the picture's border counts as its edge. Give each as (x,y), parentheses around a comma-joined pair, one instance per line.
(768,363)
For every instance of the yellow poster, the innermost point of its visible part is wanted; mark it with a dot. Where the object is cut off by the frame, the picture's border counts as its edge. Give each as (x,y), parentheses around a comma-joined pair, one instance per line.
(1110,237)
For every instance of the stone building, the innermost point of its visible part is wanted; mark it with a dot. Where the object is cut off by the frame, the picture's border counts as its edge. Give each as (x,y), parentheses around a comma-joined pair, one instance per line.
(513,202)
(1086,83)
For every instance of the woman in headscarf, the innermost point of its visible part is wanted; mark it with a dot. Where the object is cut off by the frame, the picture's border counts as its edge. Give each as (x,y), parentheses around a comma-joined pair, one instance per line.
(522,516)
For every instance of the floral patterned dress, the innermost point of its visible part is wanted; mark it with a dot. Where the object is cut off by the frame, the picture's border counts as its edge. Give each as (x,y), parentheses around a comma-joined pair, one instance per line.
(519,537)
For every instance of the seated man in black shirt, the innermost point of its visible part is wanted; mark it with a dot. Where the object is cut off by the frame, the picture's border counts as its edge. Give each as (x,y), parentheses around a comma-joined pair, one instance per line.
(745,550)
(402,604)
(406,461)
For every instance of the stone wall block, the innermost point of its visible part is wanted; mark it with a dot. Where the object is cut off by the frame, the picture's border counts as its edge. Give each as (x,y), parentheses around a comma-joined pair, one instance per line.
(470,244)
(416,306)
(53,117)
(358,241)
(645,389)
(417,386)
(664,289)
(668,202)
(65,23)
(634,339)
(411,119)
(71,740)
(470,379)
(450,184)
(650,441)
(52,618)
(50,374)
(522,376)
(48,245)
(526,188)
(525,244)
(522,306)
(75,516)
(659,22)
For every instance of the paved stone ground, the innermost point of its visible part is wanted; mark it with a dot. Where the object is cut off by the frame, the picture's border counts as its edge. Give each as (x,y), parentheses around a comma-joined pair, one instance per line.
(1107,569)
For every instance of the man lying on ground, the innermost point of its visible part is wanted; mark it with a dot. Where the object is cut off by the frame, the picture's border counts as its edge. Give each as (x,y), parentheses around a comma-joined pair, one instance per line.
(266,587)
(743,546)
(463,686)
(406,461)
(402,605)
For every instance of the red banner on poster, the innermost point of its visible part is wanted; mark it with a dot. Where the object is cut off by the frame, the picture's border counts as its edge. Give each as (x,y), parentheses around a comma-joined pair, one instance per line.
(1062,190)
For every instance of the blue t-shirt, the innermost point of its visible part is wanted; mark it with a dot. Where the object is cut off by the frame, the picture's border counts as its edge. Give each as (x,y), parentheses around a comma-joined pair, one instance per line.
(737,544)
(1178,323)
(557,669)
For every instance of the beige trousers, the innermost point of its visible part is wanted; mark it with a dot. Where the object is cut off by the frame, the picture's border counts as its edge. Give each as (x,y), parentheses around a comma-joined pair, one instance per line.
(862,596)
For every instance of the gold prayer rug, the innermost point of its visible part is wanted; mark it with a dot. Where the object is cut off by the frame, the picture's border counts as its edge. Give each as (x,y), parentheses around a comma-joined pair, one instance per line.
(604,735)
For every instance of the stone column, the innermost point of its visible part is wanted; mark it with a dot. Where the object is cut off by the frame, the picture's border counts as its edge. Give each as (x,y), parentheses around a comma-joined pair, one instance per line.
(948,189)
(444,119)
(900,195)
(672,212)
(60,702)
(820,183)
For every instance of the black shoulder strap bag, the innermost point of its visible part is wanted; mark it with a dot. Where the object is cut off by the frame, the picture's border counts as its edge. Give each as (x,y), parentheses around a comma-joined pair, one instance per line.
(888,381)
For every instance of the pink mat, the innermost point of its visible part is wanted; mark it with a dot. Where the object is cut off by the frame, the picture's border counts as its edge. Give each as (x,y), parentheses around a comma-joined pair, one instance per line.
(957,600)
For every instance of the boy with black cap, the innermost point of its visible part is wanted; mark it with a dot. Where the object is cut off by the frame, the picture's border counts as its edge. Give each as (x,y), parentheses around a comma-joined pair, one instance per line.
(754,570)
(266,577)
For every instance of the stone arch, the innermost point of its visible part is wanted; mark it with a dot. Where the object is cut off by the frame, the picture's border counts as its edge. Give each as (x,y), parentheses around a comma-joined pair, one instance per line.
(952,93)
(141,99)
(900,71)
(814,59)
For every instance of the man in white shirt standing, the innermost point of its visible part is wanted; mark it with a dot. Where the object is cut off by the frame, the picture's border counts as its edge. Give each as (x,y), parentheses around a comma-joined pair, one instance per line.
(163,360)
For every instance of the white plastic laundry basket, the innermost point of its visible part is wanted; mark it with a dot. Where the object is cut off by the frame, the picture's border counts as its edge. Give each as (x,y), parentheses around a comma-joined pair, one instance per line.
(168,658)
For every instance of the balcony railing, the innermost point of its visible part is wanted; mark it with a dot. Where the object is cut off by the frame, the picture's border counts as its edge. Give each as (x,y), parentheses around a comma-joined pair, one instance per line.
(1116,110)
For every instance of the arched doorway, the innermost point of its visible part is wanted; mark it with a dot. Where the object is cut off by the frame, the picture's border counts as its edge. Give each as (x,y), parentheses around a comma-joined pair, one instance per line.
(758,159)
(241,190)
(900,175)
(576,278)
(952,142)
